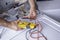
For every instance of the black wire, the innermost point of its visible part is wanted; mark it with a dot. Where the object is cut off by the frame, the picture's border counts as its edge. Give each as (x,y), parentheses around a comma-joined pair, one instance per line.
(27,35)
(43,35)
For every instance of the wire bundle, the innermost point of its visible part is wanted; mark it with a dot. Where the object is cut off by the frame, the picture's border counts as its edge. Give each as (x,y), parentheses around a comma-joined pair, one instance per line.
(39,26)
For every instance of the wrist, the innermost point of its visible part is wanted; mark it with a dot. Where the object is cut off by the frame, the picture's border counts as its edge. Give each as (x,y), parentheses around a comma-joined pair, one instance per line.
(33,8)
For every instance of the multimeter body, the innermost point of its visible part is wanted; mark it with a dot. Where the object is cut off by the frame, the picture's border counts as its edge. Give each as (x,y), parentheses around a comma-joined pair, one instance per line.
(24,25)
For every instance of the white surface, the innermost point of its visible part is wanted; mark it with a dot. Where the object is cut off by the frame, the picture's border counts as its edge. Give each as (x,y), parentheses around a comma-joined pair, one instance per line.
(50,8)
(48,31)
(53,13)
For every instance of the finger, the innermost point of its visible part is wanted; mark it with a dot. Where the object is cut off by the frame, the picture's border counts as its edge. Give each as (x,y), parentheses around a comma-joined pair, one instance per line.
(32,17)
(25,17)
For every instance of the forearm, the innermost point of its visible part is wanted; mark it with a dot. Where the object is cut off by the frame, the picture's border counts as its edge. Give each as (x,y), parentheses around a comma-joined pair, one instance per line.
(3,22)
(32,4)
(7,24)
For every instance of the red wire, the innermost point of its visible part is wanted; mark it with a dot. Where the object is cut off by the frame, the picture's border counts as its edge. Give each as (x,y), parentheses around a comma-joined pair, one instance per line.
(39,31)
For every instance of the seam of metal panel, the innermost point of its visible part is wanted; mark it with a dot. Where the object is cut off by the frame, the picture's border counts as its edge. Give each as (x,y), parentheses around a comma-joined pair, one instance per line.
(52,23)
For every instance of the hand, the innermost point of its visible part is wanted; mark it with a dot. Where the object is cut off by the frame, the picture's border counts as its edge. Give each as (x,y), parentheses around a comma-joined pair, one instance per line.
(32,14)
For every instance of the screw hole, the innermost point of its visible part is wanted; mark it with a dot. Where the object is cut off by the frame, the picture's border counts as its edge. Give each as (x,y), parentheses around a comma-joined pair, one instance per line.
(6,3)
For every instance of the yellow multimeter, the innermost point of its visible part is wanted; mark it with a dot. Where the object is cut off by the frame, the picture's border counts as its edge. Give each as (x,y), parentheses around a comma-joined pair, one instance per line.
(32,25)
(24,24)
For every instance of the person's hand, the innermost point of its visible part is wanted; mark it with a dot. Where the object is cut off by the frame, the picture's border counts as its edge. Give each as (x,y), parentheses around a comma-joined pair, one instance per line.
(32,14)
